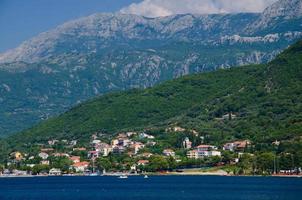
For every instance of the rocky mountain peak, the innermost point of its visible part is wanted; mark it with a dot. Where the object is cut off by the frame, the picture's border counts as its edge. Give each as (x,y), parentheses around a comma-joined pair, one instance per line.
(282,9)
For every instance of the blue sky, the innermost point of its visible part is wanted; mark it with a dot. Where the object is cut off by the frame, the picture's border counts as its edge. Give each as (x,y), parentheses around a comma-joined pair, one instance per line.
(23,19)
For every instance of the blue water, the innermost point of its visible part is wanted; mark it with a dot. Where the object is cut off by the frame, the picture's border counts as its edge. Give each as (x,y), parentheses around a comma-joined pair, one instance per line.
(156,187)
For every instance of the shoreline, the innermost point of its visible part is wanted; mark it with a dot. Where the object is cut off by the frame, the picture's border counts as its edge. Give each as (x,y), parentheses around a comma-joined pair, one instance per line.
(153,174)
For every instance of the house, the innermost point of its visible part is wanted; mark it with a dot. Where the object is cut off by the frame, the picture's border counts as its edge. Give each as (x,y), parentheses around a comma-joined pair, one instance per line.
(205,147)
(175,129)
(17,155)
(93,154)
(137,146)
(129,134)
(52,142)
(133,167)
(94,142)
(47,150)
(75,159)
(229,116)
(118,149)
(73,142)
(145,135)
(209,153)
(104,149)
(193,154)
(146,155)
(229,146)
(203,151)
(151,143)
(30,165)
(187,144)
(169,152)
(79,149)
(44,162)
(114,142)
(124,141)
(142,162)
(60,155)
(54,172)
(43,155)
(19,172)
(240,145)
(80,166)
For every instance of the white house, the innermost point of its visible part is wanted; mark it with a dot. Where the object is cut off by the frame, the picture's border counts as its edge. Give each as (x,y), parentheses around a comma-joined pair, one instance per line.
(55,172)
(43,155)
(169,152)
(80,166)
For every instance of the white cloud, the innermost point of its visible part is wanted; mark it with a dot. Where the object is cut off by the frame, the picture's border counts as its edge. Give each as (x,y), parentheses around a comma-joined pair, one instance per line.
(156,8)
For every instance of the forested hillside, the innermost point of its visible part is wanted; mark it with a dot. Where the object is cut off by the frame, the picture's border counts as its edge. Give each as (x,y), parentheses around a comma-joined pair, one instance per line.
(264,99)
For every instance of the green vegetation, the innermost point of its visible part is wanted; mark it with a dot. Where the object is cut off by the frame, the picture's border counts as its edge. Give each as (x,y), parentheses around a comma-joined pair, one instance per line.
(265,99)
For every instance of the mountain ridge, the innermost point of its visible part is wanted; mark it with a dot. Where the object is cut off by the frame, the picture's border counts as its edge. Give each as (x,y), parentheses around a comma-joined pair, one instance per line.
(266,100)
(113,52)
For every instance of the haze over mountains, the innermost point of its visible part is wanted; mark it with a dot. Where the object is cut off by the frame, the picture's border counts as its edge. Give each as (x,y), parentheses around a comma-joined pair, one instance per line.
(108,52)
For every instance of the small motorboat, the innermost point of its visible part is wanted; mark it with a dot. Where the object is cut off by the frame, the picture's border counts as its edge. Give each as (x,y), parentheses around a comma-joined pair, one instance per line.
(146,176)
(123,176)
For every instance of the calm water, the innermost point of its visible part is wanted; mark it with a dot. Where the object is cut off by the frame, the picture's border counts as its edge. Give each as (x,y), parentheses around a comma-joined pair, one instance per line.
(156,187)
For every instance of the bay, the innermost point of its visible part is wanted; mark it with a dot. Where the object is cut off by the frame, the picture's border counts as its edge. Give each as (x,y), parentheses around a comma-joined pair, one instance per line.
(155,188)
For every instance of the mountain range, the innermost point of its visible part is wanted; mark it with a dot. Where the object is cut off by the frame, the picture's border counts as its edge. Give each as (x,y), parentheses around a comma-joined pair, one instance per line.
(262,103)
(101,53)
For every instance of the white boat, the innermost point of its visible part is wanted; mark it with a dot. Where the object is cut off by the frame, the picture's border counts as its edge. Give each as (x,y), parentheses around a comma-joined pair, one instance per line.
(93,174)
(146,176)
(123,176)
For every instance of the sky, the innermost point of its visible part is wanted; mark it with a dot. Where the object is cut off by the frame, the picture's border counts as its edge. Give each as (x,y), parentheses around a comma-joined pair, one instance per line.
(23,19)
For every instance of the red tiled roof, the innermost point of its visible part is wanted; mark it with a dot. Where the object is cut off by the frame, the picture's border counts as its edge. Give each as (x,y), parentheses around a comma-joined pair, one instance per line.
(75,158)
(143,161)
(204,146)
(81,164)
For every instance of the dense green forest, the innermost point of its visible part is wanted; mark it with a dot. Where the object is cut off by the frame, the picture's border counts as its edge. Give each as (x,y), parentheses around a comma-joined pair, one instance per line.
(266,100)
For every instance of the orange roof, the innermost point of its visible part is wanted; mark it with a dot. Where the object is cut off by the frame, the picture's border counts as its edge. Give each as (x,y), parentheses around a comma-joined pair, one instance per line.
(168,150)
(75,158)
(81,164)
(204,146)
(79,149)
(47,149)
(143,161)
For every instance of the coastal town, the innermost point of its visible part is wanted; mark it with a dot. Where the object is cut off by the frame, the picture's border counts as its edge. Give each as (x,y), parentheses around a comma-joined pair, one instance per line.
(135,153)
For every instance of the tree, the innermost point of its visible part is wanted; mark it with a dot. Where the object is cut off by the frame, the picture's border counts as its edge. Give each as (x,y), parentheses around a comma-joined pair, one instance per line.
(227,156)
(1,168)
(245,163)
(40,168)
(62,163)
(265,163)
(158,163)
(103,164)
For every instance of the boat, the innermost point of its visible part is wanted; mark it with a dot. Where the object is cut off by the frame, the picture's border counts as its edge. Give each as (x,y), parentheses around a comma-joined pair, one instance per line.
(146,176)
(123,176)
(93,174)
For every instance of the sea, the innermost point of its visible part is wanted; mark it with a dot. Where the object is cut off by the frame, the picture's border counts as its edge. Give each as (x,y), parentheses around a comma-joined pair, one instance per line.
(154,187)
